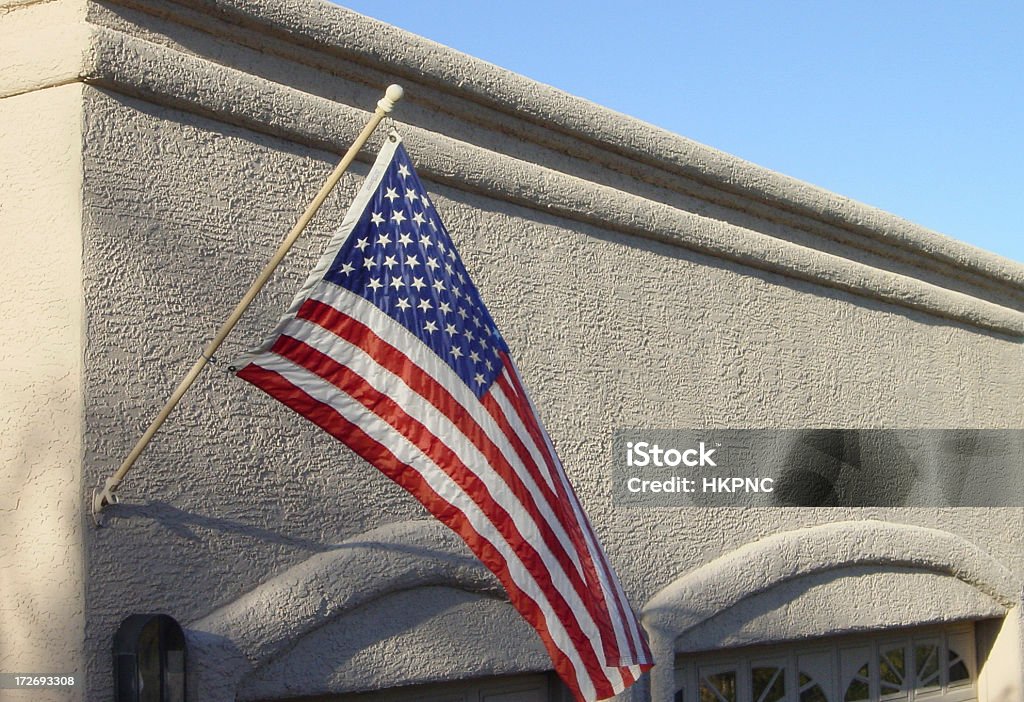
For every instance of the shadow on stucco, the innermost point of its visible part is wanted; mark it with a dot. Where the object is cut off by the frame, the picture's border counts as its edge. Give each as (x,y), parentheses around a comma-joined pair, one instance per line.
(265,623)
(713,632)
(695,256)
(215,665)
(184,525)
(185,113)
(375,632)
(783,612)
(827,468)
(678,250)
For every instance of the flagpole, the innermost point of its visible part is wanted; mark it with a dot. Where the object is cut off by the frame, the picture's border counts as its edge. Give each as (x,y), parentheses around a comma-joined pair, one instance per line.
(105,496)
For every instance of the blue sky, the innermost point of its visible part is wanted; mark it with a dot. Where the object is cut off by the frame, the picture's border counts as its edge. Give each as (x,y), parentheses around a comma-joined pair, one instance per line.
(914,107)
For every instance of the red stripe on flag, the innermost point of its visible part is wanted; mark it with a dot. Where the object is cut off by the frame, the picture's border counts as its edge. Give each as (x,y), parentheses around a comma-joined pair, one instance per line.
(638,649)
(378,455)
(517,397)
(389,357)
(387,409)
(499,417)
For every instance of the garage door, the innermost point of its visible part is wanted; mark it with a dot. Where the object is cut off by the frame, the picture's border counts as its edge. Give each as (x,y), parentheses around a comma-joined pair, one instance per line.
(919,665)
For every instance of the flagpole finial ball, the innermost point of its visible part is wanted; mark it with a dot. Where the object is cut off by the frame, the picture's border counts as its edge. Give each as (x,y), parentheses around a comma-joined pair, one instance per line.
(392,95)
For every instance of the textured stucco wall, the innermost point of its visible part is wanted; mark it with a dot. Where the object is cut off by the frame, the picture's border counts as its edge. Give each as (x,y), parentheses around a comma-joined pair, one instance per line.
(640,279)
(41,571)
(181,210)
(360,650)
(44,43)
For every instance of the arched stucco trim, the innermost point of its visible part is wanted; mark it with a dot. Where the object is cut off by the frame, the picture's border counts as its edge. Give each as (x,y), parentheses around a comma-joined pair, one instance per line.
(233,640)
(761,565)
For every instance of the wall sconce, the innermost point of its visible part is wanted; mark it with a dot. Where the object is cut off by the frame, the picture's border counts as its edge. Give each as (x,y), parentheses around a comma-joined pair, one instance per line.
(149,660)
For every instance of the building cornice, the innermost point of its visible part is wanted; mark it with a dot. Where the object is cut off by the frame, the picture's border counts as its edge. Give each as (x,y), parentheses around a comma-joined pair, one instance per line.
(279,67)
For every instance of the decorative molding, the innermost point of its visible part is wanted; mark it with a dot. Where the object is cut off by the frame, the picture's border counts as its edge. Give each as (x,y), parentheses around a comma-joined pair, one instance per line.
(646,182)
(839,602)
(387,559)
(781,558)
(324,36)
(231,96)
(232,641)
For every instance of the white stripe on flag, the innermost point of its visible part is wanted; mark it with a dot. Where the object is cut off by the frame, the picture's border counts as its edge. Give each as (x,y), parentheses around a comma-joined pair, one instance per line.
(450,434)
(346,302)
(355,306)
(610,584)
(517,425)
(384,434)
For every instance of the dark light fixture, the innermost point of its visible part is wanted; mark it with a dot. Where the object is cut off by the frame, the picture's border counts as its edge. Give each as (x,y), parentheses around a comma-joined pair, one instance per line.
(149,659)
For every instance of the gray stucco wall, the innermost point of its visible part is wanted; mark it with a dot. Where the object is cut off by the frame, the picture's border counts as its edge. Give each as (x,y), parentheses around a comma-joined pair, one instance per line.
(640,279)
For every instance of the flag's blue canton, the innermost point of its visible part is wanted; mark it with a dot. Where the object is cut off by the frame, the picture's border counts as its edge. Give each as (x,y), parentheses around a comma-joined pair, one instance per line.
(399,257)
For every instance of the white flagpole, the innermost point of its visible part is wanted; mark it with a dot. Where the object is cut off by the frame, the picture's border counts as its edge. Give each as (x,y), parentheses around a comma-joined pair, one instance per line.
(105,496)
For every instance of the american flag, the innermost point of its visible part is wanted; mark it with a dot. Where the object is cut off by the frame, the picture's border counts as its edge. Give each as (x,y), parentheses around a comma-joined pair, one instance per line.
(389,348)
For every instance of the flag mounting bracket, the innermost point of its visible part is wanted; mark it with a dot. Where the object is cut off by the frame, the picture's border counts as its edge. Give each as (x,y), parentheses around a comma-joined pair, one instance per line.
(105,495)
